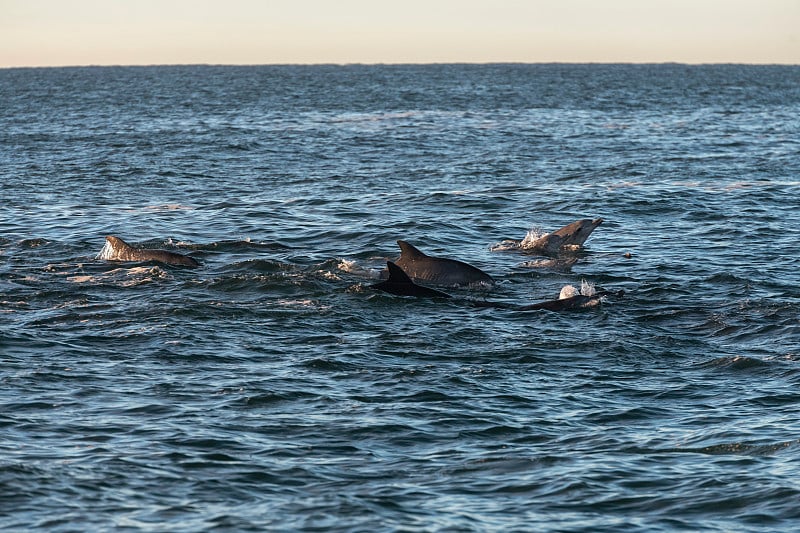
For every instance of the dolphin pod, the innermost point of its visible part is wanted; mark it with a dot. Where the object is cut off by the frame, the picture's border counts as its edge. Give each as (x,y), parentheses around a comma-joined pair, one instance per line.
(413,266)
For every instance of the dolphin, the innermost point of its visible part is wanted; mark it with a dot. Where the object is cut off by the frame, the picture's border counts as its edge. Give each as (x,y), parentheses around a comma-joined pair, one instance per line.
(115,249)
(567,301)
(578,301)
(570,237)
(400,284)
(438,270)
(570,299)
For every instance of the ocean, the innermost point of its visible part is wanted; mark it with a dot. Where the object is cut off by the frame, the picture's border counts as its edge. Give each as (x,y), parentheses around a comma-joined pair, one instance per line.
(272,389)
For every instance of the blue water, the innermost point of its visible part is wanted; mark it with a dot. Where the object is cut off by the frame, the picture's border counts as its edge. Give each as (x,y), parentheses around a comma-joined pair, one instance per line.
(272,389)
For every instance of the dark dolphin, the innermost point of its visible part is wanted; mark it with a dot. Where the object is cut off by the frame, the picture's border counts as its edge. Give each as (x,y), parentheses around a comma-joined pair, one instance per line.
(578,301)
(400,284)
(438,270)
(116,249)
(572,303)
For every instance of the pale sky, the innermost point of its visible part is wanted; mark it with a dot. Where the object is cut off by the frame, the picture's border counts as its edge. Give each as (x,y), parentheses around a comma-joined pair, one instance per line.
(147,32)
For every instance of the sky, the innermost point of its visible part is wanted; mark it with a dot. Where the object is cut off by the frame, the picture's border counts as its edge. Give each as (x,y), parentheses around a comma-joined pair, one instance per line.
(153,32)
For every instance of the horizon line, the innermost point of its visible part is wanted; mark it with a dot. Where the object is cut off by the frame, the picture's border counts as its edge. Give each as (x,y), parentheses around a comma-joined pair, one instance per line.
(389,64)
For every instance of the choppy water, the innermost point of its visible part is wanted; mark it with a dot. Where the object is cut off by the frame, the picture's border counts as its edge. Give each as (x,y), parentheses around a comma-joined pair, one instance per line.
(272,389)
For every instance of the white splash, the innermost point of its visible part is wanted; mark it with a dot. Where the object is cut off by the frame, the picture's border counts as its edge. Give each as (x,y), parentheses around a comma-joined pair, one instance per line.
(568,291)
(352,267)
(107,252)
(533,235)
(330,276)
(347,265)
(504,246)
(587,288)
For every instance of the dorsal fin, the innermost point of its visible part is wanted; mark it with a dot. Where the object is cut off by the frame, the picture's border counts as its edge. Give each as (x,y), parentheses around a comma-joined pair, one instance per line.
(400,283)
(397,274)
(408,251)
(117,243)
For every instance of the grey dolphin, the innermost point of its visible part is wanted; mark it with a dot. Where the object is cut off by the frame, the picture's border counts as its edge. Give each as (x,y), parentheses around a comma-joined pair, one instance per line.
(570,237)
(438,270)
(115,249)
(574,234)
(400,284)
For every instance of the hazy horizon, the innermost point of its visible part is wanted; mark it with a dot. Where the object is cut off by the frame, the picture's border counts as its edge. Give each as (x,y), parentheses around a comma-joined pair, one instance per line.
(41,33)
(432,63)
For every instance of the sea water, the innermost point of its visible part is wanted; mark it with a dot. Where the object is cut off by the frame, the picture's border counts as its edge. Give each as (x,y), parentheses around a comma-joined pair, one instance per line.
(273,389)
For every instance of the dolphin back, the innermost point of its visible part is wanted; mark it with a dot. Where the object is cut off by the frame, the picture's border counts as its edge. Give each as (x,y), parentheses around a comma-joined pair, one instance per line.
(116,249)
(438,270)
(578,301)
(572,303)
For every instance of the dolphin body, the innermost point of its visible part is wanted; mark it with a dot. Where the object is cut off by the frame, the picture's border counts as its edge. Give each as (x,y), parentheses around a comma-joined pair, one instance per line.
(562,303)
(572,303)
(570,237)
(400,284)
(115,249)
(438,270)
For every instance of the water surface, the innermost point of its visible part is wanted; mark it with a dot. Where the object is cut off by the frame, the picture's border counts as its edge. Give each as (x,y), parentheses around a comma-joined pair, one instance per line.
(272,389)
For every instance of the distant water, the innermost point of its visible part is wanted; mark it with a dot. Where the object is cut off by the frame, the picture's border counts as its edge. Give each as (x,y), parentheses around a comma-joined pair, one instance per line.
(271,389)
